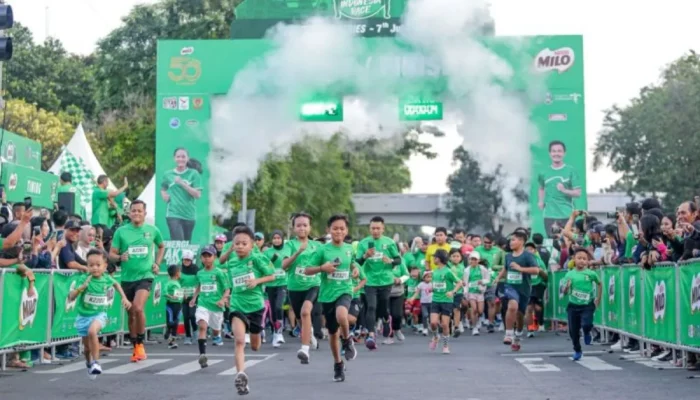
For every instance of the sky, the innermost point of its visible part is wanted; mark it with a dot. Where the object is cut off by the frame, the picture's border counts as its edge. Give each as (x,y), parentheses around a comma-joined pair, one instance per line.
(626,44)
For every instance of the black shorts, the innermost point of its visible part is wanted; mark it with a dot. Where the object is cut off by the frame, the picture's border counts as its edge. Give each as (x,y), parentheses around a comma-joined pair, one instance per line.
(252,321)
(355,307)
(131,288)
(329,312)
(458,300)
(442,308)
(537,294)
(298,297)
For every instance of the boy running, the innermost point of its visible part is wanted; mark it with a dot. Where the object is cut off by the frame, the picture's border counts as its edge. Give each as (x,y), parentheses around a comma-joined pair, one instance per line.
(173,296)
(277,290)
(249,271)
(412,306)
(535,310)
(335,264)
(584,289)
(456,264)
(445,284)
(93,301)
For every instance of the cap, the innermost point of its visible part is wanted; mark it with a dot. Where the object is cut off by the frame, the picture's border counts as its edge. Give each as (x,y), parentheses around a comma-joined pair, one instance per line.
(71,224)
(597,228)
(208,250)
(259,236)
(220,238)
(475,255)
(187,255)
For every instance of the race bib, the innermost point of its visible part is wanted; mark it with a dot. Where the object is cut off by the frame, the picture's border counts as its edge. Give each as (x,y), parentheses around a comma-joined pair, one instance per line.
(138,251)
(280,273)
(188,292)
(179,294)
(377,256)
(94,300)
(241,280)
(411,289)
(301,271)
(208,288)
(583,296)
(439,286)
(473,284)
(339,275)
(514,277)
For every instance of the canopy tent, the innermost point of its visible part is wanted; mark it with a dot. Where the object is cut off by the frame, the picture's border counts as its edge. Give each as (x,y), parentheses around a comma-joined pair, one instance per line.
(148,196)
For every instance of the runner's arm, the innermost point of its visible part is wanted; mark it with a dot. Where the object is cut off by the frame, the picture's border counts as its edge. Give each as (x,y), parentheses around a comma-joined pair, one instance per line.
(161,253)
(225,255)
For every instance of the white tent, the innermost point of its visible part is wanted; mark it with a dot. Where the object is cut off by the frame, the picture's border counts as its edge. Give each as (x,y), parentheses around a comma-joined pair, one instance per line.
(148,196)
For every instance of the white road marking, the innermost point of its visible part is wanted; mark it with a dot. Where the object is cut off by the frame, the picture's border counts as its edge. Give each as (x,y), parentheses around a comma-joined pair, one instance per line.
(132,367)
(195,355)
(548,354)
(596,364)
(72,367)
(537,364)
(187,368)
(234,371)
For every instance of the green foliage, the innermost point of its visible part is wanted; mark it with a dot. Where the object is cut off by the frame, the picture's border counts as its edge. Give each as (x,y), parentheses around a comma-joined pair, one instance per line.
(654,142)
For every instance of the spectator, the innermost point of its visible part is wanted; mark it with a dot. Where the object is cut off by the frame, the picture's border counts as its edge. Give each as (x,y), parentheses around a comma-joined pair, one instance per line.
(59,219)
(626,225)
(86,241)
(100,200)
(66,186)
(67,258)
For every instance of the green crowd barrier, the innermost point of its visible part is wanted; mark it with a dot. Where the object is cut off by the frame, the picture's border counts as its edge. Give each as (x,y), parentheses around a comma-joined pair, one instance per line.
(45,317)
(660,305)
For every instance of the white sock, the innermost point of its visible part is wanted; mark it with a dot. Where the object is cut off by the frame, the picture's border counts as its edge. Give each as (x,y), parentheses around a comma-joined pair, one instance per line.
(305,348)
(510,332)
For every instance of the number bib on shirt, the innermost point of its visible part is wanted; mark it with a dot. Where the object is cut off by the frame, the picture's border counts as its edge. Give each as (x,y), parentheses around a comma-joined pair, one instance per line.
(178,295)
(301,271)
(241,280)
(208,288)
(138,251)
(473,285)
(279,273)
(339,275)
(514,277)
(583,296)
(439,286)
(95,300)
(188,292)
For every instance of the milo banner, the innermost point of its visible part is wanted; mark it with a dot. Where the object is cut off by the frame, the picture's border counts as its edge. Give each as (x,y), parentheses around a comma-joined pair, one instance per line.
(631,302)
(20,150)
(562,299)
(548,299)
(660,304)
(21,182)
(689,293)
(24,318)
(612,297)
(155,305)
(193,74)
(598,314)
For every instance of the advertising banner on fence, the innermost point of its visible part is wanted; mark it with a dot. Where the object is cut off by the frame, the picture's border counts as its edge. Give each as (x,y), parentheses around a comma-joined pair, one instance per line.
(690,303)
(155,305)
(611,299)
(24,314)
(660,304)
(632,300)
(598,314)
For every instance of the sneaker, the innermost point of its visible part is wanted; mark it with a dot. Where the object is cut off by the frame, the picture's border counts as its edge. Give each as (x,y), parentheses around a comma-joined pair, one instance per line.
(203,361)
(433,344)
(424,331)
(501,327)
(456,333)
(325,333)
(262,337)
(349,348)
(577,356)
(339,372)
(617,346)
(188,341)
(303,356)
(95,368)
(217,341)
(241,383)
(507,340)
(388,341)
(314,342)
(172,345)
(228,335)
(587,339)
(247,338)
(475,331)
(399,336)
(491,328)
(370,343)
(445,350)
(530,334)
(141,352)
(280,337)
(541,329)
(515,346)
(296,332)
(276,343)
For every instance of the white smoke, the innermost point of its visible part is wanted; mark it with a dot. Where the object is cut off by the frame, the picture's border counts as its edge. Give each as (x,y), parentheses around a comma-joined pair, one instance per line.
(259,115)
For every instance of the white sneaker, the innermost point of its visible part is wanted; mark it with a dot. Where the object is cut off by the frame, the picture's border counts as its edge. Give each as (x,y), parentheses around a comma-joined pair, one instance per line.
(424,331)
(281,337)
(303,356)
(460,328)
(617,346)
(399,336)
(314,342)
(475,331)
(388,341)
(276,340)
(541,329)
(247,338)
(325,333)
(501,328)
(662,355)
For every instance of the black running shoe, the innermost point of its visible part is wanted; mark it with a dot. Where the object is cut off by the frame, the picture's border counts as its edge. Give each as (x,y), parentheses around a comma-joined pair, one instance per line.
(339,372)
(241,383)
(349,349)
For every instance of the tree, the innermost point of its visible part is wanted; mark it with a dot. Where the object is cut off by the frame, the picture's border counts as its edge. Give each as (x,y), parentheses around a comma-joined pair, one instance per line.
(46,75)
(654,142)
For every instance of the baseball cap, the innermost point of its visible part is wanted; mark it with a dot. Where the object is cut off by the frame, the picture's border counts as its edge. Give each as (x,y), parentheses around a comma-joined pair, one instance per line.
(259,236)
(220,238)
(475,255)
(71,224)
(208,250)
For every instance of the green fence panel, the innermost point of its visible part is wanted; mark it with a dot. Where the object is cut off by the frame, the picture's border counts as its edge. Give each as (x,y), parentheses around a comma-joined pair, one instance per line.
(562,299)
(612,297)
(548,300)
(632,300)
(116,313)
(598,313)
(24,316)
(660,304)
(65,311)
(689,293)
(155,305)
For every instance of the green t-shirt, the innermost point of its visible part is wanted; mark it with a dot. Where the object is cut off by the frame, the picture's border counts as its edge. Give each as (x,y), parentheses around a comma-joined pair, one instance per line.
(583,286)
(475,275)
(355,282)
(630,244)
(536,279)
(443,281)
(255,266)
(140,243)
(458,270)
(297,279)
(339,282)
(280,274)
(100,206)
(173,291)
(98,297)
(491,256)
(378,272)
(557,204)
(181,205)
(415,259)
(189,284)
(77,204)
(411,284)
(212,285)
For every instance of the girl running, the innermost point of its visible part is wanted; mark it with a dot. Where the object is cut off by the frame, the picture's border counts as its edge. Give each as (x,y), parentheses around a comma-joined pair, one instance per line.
(277,289)
(445,284)
(188,281)
(476,279)
(456,264)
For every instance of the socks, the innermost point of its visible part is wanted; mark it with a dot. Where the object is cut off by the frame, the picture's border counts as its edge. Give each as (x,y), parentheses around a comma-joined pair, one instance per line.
(510,332)
(305,348)
(134,340)
(140,338)
(445,340)
(202,346)
(435,332)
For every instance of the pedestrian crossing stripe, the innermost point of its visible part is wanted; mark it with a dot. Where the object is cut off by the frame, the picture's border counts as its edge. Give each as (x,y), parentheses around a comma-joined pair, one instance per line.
(537,364)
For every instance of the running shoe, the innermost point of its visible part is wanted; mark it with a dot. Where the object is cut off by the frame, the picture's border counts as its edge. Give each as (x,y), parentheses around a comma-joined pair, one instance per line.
(276,342)
(530,334)
(339,372)
(501,327)
(370,343)
(541,329)
(349,349)
(188,341)
(172,345)
(508,340)
(475,331)
(491,328)
(241,383)
(281,337)
(217,341)
(303,356)
(577,356)
(587,339)
(296,332)
(399,336)
(457,332)
(95,368)
(425,332)
(433,344)
(388,341)
(247,338)
(314,342)
(515,346)
(445,350)
(203,361)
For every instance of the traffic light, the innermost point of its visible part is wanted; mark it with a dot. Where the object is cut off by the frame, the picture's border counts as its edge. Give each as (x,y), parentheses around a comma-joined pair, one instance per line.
(6,21)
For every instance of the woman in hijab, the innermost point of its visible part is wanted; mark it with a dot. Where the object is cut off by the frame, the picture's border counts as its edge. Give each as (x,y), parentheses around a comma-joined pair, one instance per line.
(277,289)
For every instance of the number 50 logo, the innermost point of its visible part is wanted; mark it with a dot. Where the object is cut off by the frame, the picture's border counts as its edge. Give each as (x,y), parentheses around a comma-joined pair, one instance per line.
(185,70)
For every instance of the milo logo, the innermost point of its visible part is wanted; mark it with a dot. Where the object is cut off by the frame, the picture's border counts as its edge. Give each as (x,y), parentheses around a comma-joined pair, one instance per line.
(71,304)
(156,294)
(554,60)
(11,152)
(27,308)
(659,301)
(611,289)
(13,181)
(695,294)
(110,296)
(361,9)
(632,290)
(562,288)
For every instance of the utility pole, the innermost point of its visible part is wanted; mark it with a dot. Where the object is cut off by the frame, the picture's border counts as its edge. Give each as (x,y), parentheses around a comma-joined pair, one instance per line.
(244,202)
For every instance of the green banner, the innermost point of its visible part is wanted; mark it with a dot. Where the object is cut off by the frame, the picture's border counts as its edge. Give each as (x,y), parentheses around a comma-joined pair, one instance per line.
(598,313)
(631,302)
(155,305)
(24,316)
(21,182)
(548,300)
(660,304)
(612,298)
(690,303)
(20,150)
(321,111)
(562,299)
(420,110)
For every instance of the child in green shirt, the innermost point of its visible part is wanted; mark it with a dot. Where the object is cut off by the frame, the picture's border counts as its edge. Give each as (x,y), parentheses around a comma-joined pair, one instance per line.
(173,305)
(584,289)
(445,285)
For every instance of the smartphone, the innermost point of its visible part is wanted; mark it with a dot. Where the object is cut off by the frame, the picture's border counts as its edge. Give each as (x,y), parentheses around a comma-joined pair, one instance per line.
(27,203)
(336,261)
(274,257)
(37,231)
(370,245)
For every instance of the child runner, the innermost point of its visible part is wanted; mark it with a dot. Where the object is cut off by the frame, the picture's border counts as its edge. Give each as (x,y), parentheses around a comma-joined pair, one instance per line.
(188,281)
(213,292)
(335,264)
(249,272)
(539,284)
(397,299)
(93,302)
(582,284)
(424,291)
(476,279)
(173,296)
(445,284)
(412,306)
(456,264)
(356,304)
(277,289)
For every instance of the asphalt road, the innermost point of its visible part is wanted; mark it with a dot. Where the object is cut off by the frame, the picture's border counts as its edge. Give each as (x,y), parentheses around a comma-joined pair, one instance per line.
(478,368)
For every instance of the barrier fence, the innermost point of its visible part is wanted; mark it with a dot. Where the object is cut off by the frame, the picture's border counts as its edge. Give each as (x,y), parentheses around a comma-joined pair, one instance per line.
(659,306)
(46,319)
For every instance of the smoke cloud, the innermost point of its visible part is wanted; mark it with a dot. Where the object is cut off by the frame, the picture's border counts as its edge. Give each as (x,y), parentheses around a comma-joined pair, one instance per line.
(259,115)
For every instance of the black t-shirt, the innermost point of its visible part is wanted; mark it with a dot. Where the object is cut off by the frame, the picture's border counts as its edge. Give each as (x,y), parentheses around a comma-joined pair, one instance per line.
(67,255)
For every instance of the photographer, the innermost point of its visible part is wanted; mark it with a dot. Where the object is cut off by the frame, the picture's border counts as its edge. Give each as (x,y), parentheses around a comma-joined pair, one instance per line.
(628,229)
